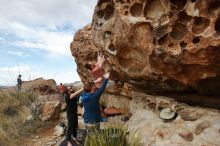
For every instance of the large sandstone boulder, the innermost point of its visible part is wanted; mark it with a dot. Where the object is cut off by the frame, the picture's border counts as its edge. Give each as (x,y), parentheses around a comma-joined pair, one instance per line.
(40,86)
(51,110)
(51,107)
(160,45)
(47,107)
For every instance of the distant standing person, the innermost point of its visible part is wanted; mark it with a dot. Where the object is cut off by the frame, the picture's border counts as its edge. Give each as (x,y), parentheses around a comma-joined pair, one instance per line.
(72,117)
(62,88)
(19,82)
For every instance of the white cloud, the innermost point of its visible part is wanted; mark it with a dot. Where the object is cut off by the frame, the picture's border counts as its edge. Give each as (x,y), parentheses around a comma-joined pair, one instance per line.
(22,68)
(18,53)
(38,24)
(66,77)
(54,42)
(48,12)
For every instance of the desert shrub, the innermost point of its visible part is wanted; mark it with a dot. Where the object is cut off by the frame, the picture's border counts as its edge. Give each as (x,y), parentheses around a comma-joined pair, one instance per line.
(24,97)
(113,136)
(13,109)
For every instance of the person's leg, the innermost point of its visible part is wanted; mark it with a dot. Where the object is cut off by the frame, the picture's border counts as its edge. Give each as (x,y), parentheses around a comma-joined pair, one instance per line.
(19,87)
(75,126)
(70,119)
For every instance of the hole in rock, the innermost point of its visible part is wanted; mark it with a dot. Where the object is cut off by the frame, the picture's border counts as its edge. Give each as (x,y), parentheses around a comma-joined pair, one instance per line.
(162,41)
(136,9)
(215,5)
(131,59)
(184,51)
(183,17)
(160,78)
(126,7)
(153,9)
(154,74)
(171,45)
(96,24)
(152,105)
(193,1)
(178,4)
(183,45)
(119,1)
(160,31)
(126,13)
(179,31)
(109,11)
(100,14)
(112,47)
(171,14)
(200,24)
(217,25)
(196,40)
(154,41)
(128,1)
(100,2)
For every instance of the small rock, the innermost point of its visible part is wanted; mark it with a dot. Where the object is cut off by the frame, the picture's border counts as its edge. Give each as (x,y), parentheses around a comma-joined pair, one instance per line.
(152,105)
(51,110)
(59,131)
(63,107)
(126,118)
(28,119)
(37,137)
(186,134)
(189,115)
(201,127)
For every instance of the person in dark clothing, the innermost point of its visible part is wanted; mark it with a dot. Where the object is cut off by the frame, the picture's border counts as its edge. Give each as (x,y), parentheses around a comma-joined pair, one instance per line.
(19,82)
(71,101)
(90,100)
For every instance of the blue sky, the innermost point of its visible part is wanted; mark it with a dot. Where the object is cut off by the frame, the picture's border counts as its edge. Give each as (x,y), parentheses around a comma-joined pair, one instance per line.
(35,36)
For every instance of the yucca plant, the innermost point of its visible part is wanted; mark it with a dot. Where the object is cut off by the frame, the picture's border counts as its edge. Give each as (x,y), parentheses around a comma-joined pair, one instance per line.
(113,136)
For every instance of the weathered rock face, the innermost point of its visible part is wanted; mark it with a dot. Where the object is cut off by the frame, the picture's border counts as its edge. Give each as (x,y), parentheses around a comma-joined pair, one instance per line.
(161,40)
(82,49)
(193,125)
(171,43)
(40,85)
(48,107)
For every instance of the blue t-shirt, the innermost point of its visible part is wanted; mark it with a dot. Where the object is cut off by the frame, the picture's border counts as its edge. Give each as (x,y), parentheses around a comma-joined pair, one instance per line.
(91,104)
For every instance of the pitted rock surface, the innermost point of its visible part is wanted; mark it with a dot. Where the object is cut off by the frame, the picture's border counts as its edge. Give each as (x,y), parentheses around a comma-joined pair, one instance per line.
(172,45)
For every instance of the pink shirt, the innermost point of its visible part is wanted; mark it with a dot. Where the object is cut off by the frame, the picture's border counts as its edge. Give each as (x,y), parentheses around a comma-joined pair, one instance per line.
(97,72)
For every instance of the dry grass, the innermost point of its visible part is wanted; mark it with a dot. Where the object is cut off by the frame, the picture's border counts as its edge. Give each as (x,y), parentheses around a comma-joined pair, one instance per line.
(14,108)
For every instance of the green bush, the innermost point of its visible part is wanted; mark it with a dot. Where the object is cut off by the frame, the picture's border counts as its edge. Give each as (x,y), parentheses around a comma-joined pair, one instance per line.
(113,136)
